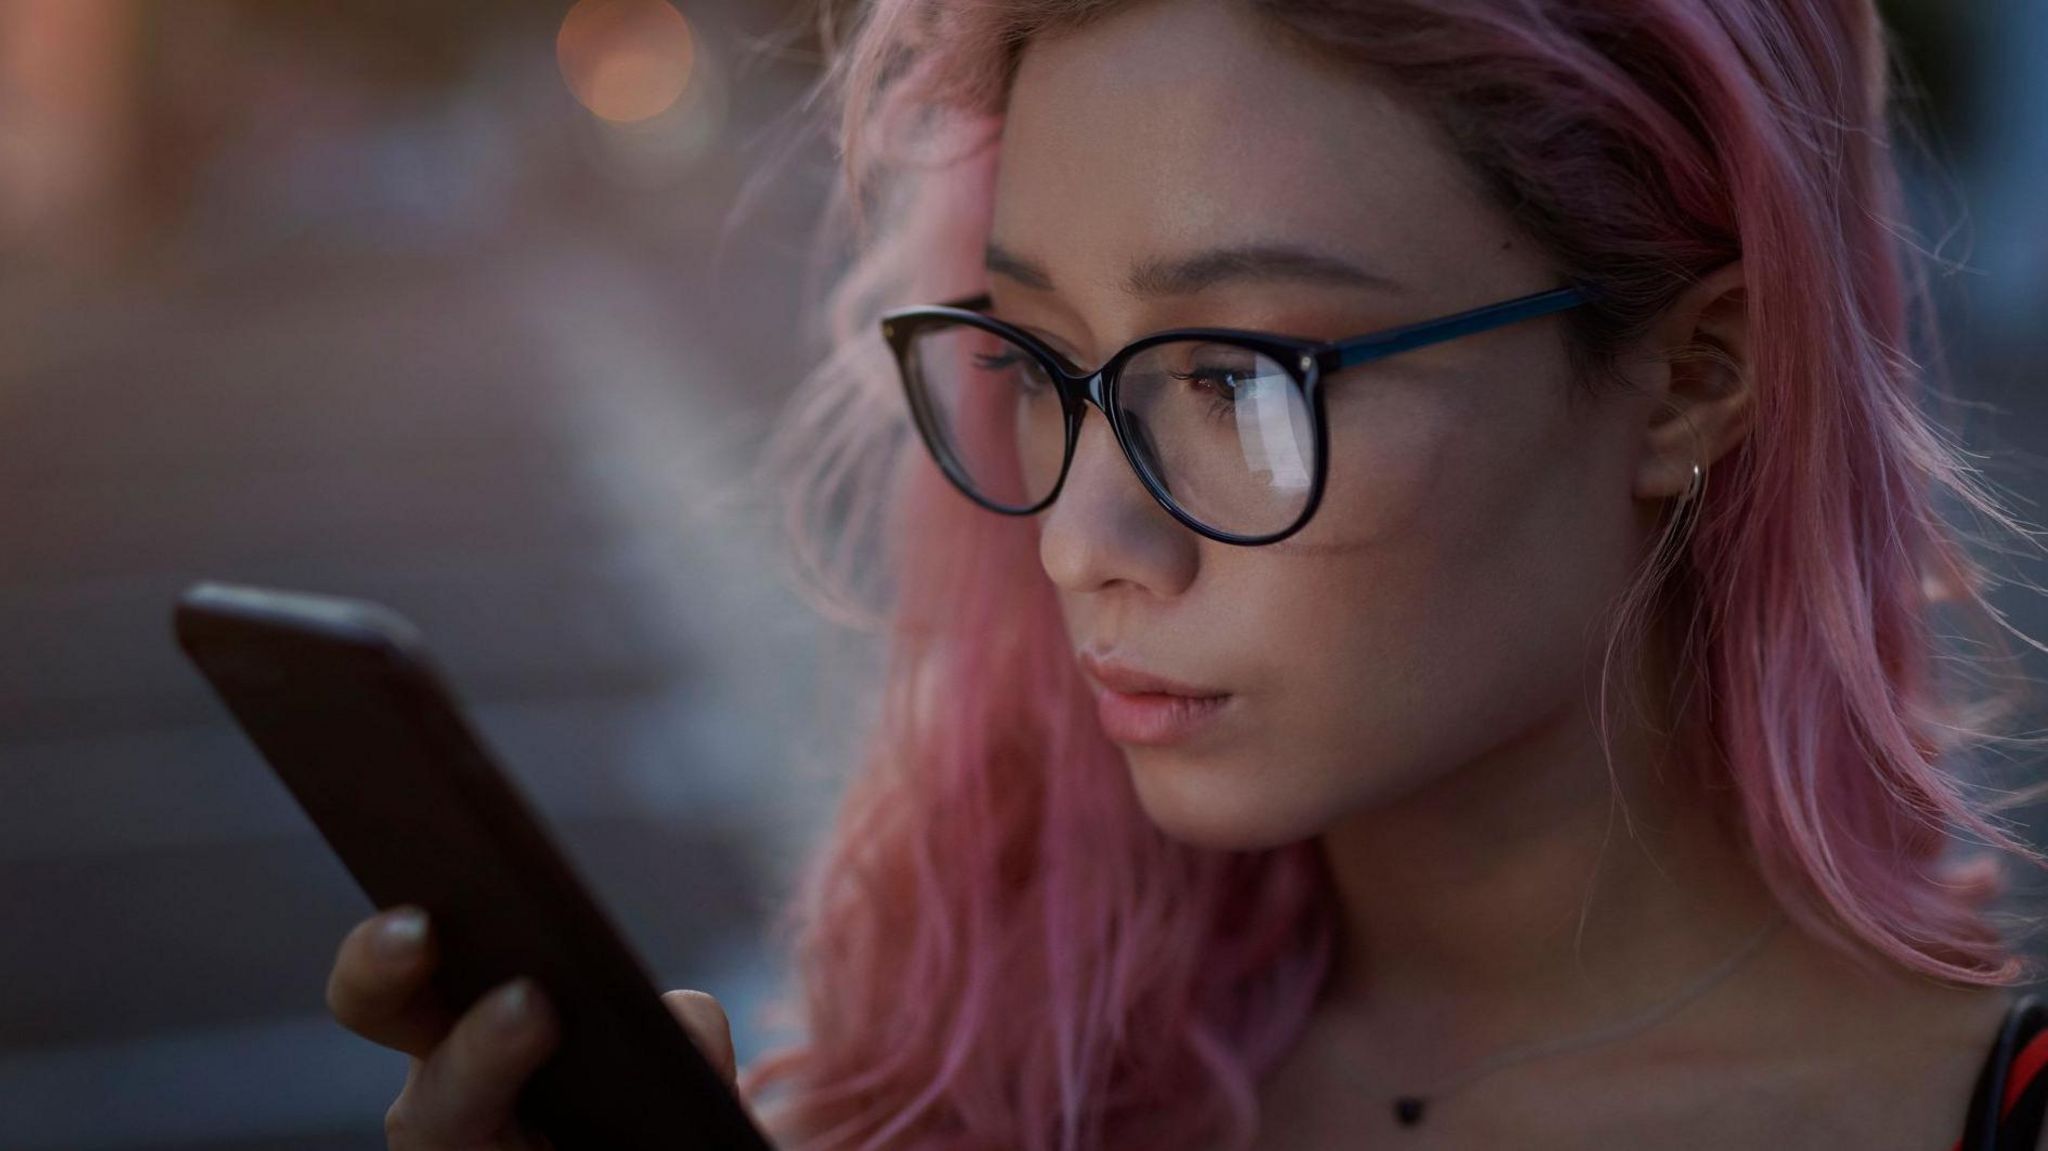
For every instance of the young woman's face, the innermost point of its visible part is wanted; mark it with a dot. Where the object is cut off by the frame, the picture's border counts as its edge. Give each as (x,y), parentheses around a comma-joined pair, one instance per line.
(1440,605)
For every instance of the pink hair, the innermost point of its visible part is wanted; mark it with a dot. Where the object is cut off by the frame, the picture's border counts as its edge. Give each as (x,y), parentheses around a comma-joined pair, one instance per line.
(995,947)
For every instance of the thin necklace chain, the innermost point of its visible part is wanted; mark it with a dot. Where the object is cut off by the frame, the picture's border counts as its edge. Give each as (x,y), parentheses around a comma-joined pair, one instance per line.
(1495,1062)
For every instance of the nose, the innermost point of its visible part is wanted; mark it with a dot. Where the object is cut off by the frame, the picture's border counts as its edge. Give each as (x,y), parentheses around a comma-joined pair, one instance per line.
(1106,528)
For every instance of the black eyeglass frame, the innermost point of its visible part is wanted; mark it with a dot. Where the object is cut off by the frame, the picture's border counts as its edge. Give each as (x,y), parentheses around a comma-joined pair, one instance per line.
(1306,362)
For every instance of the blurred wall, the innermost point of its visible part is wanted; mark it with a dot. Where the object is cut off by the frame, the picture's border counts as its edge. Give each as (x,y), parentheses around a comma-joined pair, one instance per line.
(66,106)
(361,298)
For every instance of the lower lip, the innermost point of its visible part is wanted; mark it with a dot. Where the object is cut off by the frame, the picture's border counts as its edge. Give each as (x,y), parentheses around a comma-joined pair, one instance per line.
(1154,720)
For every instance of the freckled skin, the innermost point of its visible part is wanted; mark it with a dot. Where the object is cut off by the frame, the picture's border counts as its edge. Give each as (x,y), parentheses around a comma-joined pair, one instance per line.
(1413,673)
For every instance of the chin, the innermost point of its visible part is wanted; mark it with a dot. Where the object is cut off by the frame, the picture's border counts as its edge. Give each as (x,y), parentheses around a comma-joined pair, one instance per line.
(1217,805)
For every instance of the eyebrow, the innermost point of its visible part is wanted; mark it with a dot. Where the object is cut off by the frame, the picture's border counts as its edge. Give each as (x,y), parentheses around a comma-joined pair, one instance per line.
(1183,275)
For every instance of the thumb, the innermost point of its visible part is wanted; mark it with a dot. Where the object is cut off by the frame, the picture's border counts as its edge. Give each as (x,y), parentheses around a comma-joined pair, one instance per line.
(705,1020)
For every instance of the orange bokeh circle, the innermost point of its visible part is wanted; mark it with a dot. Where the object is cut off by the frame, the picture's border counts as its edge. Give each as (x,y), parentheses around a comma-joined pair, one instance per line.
(625,60)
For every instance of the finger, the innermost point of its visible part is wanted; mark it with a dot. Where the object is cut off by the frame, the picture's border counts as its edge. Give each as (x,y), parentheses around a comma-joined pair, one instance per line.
(464,1092)
(379,985)
(705,1020)
(400,1135)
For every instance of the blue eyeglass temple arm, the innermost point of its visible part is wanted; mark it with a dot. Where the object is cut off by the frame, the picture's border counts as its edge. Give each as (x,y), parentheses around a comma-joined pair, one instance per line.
(1362,349)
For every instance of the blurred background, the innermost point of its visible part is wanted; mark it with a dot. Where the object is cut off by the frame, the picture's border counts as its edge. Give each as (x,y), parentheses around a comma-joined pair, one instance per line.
(479,309)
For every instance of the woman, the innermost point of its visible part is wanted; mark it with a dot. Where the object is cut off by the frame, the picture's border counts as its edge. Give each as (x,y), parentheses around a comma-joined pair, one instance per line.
(1521,730)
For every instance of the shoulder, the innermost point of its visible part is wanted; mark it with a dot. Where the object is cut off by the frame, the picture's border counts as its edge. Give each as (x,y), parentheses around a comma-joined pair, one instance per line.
(1875,1062)
(1937,1042)
(1894,1050)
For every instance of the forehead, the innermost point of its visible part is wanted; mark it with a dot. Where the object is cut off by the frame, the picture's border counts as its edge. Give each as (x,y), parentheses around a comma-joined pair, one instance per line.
(1171,125)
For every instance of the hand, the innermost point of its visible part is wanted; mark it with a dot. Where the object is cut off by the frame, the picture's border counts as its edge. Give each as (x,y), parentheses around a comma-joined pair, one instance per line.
(466,1072)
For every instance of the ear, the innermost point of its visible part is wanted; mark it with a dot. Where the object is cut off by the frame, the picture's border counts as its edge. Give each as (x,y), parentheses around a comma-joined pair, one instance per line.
(1708,389)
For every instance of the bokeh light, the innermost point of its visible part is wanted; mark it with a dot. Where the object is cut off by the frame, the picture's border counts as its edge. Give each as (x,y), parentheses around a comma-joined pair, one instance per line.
(626,60)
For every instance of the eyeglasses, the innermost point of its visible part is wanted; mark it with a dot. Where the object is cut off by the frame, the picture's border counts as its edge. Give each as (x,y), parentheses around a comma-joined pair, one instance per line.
(1225,428)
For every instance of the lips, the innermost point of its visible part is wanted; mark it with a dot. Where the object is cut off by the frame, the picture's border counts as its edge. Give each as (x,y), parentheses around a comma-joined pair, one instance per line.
(1131,679)
(1143,708)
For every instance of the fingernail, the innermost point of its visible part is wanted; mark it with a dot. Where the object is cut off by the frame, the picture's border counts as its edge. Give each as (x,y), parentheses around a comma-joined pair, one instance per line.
(512,1005)
(401,932)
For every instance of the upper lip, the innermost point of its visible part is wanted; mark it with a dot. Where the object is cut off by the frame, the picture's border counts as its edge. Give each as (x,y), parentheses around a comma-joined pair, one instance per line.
(1133,680)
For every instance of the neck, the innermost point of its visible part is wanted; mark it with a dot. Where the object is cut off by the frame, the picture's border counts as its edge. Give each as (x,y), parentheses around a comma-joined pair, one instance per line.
(1528,895)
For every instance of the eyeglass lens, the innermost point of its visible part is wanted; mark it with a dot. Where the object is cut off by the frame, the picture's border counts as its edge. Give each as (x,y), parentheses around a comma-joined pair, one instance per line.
(1224,430)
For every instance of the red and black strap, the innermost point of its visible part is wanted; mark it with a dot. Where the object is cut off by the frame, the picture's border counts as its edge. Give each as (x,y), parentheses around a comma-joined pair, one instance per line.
(2012,1074)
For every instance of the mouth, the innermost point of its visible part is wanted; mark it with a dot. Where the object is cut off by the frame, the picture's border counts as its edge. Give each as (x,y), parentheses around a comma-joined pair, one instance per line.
(1141,707)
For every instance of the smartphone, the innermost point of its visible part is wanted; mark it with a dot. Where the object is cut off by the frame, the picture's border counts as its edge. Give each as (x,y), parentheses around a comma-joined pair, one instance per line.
(341,698)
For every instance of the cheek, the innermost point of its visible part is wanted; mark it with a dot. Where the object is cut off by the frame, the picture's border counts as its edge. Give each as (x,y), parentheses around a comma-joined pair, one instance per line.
(1394,451)
(1442,603)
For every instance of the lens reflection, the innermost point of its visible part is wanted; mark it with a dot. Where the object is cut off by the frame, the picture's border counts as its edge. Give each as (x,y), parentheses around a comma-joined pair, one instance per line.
(1224,431)
(1230,430)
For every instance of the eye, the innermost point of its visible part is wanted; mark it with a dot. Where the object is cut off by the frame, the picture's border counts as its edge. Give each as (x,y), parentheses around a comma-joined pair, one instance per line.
(1220,386)
(1220,375)
(1033,373)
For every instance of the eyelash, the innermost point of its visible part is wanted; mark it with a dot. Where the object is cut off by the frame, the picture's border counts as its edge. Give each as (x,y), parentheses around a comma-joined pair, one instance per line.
(997,363)
(1219,407)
